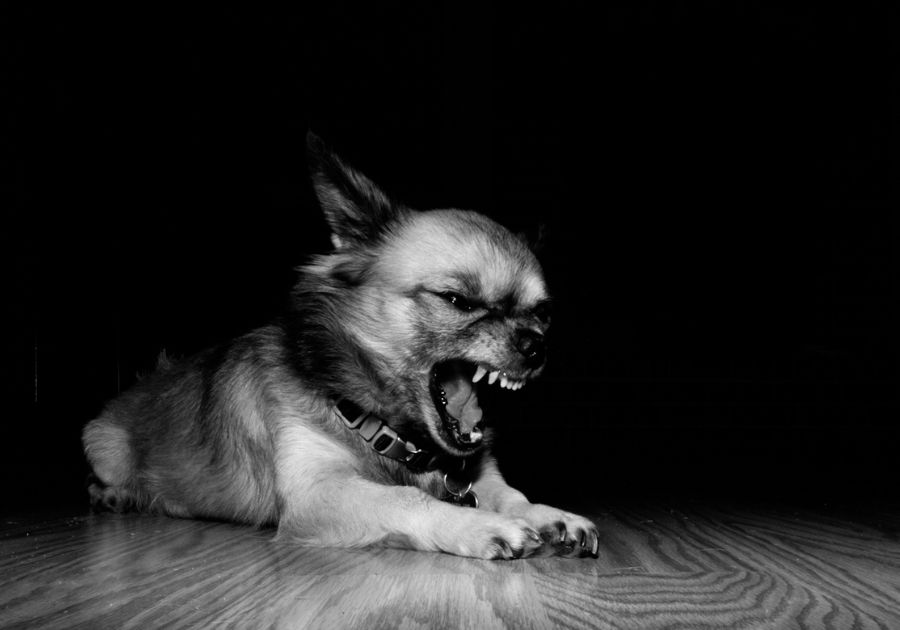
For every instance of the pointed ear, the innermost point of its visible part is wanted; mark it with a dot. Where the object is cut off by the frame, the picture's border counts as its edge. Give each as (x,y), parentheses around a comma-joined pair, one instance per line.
(356,210)
(534,238)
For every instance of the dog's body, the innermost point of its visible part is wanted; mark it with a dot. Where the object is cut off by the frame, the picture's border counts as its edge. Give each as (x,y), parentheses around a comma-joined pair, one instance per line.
(379,350)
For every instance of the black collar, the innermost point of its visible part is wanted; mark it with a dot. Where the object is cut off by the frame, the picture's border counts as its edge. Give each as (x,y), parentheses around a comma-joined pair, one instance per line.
(384,440)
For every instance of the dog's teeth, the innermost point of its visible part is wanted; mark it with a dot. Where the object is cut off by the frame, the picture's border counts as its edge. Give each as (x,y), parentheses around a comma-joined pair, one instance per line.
(479,374)
(492,378)
(504,382)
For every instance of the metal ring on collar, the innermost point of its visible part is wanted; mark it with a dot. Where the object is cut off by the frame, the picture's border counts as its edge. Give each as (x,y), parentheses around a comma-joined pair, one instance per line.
(456,493)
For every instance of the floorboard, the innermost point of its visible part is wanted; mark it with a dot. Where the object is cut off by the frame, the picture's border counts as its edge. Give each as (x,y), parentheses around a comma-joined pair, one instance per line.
(660,566)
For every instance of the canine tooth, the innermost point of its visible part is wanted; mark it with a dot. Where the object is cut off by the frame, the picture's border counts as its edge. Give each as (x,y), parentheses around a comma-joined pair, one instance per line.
(492,378)
(479,374)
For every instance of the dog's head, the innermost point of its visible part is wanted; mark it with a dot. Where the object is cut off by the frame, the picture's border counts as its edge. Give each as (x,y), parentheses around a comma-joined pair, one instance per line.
(420,309)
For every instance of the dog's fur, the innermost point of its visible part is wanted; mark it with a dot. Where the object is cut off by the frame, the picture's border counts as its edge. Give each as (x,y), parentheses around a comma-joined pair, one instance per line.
(248,431)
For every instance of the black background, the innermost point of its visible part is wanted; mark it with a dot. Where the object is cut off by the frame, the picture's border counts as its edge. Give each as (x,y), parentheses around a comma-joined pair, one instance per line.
(713,179)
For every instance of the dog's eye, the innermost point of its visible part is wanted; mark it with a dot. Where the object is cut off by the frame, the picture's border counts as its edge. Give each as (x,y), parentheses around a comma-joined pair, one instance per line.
(459,301)
(542,312)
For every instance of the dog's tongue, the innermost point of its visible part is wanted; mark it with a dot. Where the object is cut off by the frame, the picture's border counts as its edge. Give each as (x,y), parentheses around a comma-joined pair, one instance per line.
(462,402)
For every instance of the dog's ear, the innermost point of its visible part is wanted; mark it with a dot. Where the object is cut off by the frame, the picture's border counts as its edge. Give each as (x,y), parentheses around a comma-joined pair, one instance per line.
(355,208)
(534,238)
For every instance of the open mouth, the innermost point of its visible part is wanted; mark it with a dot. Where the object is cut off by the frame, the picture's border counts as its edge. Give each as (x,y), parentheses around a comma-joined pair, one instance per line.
(454,386)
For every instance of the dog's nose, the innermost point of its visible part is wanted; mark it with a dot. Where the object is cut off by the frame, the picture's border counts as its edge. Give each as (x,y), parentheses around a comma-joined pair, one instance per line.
(532,347)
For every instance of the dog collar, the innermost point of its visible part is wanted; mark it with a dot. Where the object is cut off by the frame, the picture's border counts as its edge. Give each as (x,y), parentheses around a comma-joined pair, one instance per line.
(383,439)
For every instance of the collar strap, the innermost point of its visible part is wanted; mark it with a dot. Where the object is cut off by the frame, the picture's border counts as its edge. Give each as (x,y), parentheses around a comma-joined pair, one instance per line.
(383,439)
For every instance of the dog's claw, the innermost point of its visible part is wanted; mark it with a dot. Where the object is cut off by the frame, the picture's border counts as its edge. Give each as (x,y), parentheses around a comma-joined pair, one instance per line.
(563,533)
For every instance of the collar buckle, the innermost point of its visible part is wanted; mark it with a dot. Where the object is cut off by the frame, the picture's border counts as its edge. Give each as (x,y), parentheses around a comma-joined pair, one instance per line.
(383,439)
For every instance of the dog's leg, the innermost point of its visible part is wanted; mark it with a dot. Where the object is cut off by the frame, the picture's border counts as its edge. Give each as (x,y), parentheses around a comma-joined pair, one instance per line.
(354,512)
(325,502)
(569,534)
(108,451)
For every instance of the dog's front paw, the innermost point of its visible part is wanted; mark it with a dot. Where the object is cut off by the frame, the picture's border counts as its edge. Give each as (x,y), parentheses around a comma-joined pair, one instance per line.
(565,533)
(495,537)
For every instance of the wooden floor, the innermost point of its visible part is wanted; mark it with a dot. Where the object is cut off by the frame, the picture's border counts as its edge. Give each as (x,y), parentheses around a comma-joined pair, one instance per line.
(659,567)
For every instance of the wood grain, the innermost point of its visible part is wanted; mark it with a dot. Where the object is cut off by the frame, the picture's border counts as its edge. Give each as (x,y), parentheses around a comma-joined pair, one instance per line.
(659,567)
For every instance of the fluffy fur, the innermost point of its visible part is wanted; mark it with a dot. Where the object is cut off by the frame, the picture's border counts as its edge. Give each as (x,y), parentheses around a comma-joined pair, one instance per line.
(408,304)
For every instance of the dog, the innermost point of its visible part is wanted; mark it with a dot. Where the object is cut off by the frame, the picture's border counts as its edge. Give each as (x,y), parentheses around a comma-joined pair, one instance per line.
(353,419)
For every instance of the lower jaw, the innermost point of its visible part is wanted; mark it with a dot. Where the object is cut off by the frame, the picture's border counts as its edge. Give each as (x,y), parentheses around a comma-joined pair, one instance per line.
(464,441)
(458,440)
